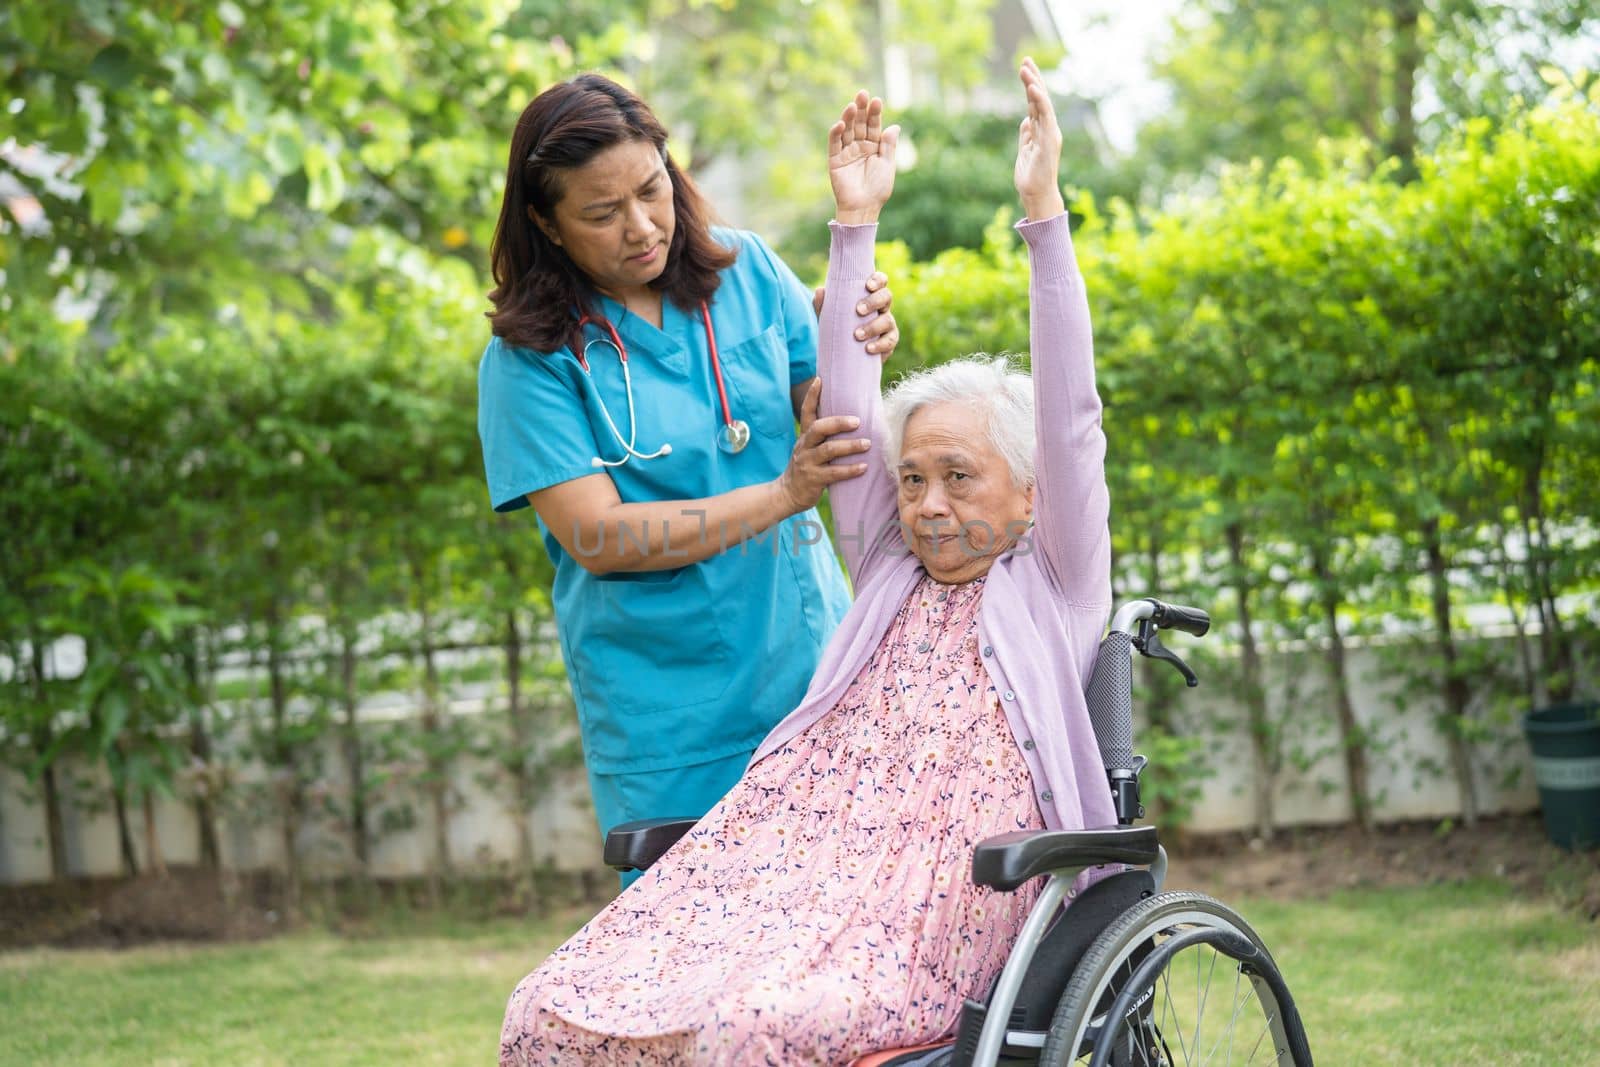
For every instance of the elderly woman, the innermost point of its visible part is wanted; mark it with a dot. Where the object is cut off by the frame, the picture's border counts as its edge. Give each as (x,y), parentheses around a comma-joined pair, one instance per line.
(823,910)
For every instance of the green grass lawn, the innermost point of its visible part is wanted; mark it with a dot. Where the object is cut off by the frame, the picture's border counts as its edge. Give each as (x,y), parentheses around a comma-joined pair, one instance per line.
(1460,974)
(1446,975)
(429,997)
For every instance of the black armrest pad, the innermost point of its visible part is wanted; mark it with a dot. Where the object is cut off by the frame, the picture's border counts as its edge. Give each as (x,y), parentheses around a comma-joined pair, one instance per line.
(634,846)
(1005,861)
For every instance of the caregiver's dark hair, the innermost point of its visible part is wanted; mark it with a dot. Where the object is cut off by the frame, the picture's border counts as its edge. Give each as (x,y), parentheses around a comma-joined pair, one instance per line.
(537,285)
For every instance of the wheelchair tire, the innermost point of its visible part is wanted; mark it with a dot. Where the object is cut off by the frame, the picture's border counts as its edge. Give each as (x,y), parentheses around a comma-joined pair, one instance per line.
(1150,993)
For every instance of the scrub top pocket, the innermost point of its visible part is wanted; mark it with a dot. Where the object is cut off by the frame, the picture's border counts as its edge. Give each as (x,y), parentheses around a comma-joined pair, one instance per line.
(656,683)
(757,375)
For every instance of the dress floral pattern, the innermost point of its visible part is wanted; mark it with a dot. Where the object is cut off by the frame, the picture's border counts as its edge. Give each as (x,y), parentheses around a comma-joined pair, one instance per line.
(824,909)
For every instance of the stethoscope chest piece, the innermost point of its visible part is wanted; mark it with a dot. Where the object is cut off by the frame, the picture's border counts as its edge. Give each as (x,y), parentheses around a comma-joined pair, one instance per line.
(733,436)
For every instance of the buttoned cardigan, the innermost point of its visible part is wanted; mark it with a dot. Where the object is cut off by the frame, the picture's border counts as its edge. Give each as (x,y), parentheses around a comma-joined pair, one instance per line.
(1046,601)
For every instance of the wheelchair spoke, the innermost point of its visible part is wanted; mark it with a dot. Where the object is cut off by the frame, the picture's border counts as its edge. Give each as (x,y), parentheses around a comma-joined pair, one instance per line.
(1144,957)
(1166,1004)
(1237,975)
(1265,1030)
(1238,1009)
(1232,1010)
(1203,992)
(1183,1046)
(1178,1023)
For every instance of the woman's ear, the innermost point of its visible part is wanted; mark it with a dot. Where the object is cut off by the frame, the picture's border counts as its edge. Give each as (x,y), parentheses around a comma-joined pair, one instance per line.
(545,227)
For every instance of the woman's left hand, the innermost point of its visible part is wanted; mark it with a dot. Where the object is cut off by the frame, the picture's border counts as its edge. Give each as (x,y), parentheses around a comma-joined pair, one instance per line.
(878,329)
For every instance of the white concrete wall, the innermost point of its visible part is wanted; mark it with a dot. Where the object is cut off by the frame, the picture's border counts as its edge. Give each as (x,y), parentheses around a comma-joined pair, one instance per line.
(481,831)
(1409,764)
(1408,758)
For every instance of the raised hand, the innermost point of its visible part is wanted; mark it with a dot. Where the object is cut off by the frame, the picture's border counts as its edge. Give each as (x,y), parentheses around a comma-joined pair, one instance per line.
(1038,168)
(861,160)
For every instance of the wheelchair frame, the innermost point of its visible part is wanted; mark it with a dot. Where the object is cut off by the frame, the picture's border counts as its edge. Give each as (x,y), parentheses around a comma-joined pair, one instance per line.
(1092,992)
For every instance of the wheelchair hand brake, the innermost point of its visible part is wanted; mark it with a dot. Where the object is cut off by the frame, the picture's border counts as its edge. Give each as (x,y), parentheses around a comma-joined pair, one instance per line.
(1148,642)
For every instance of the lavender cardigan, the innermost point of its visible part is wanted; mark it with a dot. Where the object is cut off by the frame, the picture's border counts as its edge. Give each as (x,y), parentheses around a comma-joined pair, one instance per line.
(1044,608)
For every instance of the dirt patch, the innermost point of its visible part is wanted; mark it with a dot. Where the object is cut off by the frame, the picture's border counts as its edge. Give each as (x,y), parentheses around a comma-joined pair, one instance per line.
(185,905)
(191,904)
(1314,861)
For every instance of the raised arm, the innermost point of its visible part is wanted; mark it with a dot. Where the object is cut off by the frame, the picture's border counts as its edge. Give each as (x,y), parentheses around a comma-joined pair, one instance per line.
(1071,503)
(861,170)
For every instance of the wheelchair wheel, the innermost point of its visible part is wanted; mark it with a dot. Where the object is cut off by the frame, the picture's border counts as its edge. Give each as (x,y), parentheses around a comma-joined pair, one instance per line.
(1177,979)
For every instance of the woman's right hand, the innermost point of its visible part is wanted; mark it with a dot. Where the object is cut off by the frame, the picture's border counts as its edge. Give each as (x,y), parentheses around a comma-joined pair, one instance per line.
(811,468)
(1038,168)
(861,160)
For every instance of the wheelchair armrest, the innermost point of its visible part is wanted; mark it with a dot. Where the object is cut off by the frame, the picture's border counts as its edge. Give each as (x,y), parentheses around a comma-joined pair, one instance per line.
(634,846)
(1005,861)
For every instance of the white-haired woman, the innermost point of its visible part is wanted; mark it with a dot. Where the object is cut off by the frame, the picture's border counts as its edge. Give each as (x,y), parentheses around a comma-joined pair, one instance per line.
(823,908)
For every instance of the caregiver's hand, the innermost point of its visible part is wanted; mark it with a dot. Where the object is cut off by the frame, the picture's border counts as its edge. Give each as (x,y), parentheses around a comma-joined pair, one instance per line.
(880,331)
(811,468)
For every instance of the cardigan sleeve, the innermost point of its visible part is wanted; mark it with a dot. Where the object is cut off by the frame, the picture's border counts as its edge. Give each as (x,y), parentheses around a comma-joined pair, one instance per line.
(865,516)
(1071,501)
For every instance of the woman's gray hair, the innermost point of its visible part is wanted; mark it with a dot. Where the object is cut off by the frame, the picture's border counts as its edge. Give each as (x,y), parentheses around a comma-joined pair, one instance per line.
(989,385)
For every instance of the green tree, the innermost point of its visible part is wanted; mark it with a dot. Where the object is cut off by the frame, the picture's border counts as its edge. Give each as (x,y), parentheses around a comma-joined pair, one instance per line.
(1273,79)
(131,688)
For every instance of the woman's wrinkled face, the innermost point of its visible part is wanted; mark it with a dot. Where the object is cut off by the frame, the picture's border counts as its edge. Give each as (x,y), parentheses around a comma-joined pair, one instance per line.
(958,505)
(615,217)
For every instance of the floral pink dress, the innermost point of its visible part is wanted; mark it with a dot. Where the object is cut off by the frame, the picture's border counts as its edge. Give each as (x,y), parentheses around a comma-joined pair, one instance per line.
(824,909)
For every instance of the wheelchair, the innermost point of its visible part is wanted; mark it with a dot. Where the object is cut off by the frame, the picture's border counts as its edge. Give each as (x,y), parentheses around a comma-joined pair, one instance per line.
(1128,975)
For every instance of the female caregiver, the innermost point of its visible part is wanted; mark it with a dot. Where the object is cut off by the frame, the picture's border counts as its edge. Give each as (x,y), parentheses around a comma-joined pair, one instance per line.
(640,392)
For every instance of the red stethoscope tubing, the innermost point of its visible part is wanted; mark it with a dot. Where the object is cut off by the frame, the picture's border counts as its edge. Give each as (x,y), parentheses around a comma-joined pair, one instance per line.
(622,354)
(716,365)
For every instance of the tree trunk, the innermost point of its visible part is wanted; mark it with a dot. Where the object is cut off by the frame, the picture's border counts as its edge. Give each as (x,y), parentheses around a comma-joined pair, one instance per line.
(119,804)
(1157,693)
(521,741)
(1352,738)
(1254,692)
(436,782)
(54,820)
(1156,680)
(1555,650)
(1457,695)
(289,832)
(154,861)
(1407,59)
(1532,681)
(205,805)
(284,755)
(355,763)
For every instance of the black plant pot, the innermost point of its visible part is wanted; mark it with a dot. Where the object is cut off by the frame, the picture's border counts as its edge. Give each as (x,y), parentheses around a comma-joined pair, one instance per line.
(1565,739)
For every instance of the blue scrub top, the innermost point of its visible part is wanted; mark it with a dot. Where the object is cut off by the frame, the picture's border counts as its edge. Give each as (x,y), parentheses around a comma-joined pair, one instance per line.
(675,667)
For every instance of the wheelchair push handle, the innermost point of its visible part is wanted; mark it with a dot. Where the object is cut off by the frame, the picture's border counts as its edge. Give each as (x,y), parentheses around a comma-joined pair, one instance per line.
(1143,620)
(1137,617)
(1177,617)
(1135,627)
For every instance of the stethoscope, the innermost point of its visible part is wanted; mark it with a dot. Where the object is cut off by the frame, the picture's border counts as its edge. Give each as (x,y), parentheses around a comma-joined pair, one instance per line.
(733,436)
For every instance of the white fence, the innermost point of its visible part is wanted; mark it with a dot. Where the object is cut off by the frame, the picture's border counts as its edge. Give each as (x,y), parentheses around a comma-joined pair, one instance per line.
(1409,769)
